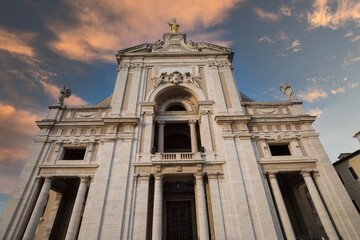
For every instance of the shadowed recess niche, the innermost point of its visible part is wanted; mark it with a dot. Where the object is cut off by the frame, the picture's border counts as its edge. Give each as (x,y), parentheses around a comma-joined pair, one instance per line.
(176,99)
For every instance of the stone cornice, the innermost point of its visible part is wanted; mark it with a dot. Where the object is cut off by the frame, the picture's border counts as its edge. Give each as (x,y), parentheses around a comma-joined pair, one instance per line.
(273,104)
(232,118)
(122,120)
(78,107)
(277,119)
(45,123)
(209,102)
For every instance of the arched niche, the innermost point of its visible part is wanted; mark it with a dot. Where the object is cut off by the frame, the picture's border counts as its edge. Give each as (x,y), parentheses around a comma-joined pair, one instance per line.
(198,93)
(176,97)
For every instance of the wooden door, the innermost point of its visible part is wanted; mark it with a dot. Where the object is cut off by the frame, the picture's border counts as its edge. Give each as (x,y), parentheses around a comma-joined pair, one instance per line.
(178,220)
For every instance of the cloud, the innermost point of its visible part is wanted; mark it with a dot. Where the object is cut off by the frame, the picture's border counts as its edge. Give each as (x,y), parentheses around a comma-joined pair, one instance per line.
(352,85)
(18,121)
(312,94)
(13,155)
(16,42)
(295,46)
(349,34)
(352,57)
(212,37)
(355,39)
(285,10)
(53,91)
(339,90)
(315,112)
(267,15)
(280,36)
(99,29)
(334,14)
(317,79)
(18,128)
(266,39)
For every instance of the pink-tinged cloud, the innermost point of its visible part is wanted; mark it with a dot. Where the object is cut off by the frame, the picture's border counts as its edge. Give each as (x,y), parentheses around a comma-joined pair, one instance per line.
(267,16)
(8,179)
(16,42)
(312,94)
(355,39)
(285,10)
(212,37)
(352,57)
(280,36)
(352,85)
(13,155)
(339,90)
(295,46)
(19,121)
(315,112)
(54,91)
(349,34)
(100,28)
(334,16)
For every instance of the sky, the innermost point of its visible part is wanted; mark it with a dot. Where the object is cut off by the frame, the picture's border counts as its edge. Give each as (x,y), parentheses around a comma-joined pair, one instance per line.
(314,45)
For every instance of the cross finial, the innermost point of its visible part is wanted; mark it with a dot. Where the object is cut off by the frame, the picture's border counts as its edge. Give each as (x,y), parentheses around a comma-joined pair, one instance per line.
(174,27)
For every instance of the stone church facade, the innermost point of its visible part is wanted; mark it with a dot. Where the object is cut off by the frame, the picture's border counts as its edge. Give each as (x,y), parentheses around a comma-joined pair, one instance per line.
(176,152)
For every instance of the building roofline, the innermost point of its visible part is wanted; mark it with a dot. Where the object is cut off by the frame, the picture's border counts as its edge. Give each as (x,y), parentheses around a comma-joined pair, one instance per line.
(357,152)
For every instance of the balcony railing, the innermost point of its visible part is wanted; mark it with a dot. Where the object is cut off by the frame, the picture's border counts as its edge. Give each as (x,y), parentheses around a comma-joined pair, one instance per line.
(176,156)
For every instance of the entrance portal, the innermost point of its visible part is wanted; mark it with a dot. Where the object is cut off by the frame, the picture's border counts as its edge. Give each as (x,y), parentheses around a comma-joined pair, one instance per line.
(179,214)
(178,220)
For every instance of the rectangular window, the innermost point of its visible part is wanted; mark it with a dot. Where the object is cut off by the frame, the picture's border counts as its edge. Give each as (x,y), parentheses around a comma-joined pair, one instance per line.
(353,173)
(74,153)
(279,149)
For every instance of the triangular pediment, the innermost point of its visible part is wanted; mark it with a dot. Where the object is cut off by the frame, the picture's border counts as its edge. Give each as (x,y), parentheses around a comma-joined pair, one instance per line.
(175,43)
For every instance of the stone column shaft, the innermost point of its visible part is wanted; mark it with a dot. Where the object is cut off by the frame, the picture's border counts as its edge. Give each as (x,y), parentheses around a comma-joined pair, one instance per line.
(76,213)
(161,136)
(148,132)
(38,210)
(319,205)
(158,205)
(203,226)
(141,207)
(119,89)
(289,232)
(216,207)
(205,135)
(29,210)
(194,147)
(220,98)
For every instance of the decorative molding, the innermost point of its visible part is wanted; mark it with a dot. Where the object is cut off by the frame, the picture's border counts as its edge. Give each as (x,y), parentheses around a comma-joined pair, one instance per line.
(85,115)
(175,78)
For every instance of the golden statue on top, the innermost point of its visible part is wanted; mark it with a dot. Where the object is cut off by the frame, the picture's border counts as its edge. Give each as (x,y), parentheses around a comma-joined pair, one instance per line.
(174,27)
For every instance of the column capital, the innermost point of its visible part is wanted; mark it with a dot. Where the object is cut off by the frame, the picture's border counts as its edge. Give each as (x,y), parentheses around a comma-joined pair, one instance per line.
(192,121)
(161,122)
(84,178)
(48,179)
(159,176)
(316,173)
(272,174)
(212,175)
(305,173)
(199,175)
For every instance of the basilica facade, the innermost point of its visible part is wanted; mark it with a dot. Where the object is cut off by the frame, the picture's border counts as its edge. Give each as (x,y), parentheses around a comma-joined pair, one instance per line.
(177,152)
